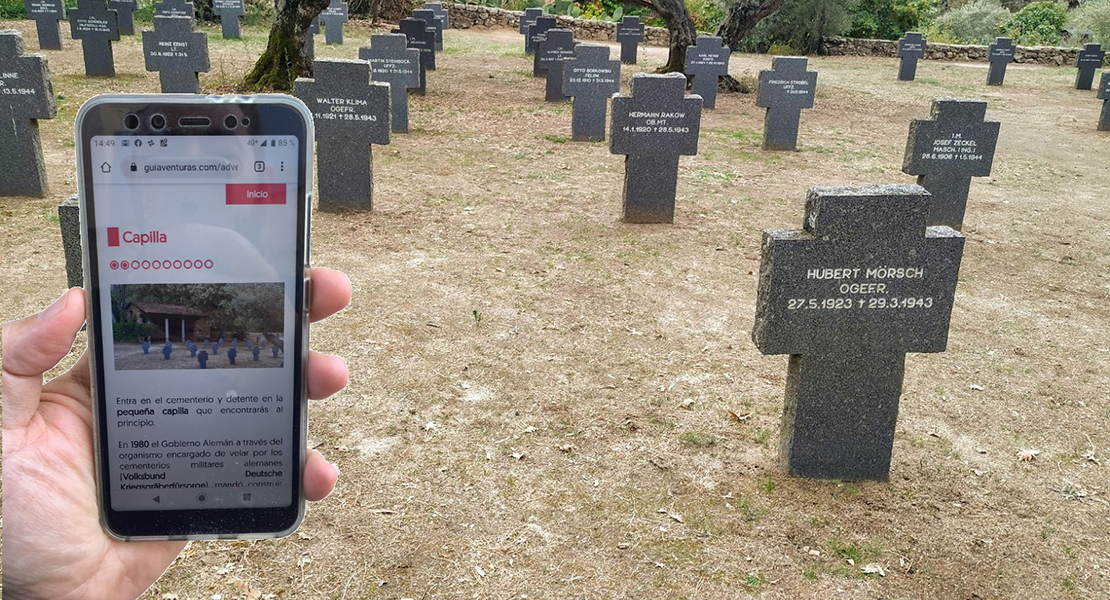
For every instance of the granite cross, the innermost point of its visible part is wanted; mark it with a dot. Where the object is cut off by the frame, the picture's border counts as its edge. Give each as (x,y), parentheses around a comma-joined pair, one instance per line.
(175,8)
(441,13)
(95,25)
(202,358)
(1001,53)
(707,61)
(333,18)
(1104,95)
(590,78)
(556,47)
(146,346)
(350,112)
(177,52)
(630,32)
(911,49)
(310,37)
(124,16)
(429,17)
(422,38)
(653,127)
(25,96)
(229,12)
(1088,60)
(392,61)
(784,91)
(46,14)
(537,32)
(527,20)
(947,151)
(864,282)
(69,221)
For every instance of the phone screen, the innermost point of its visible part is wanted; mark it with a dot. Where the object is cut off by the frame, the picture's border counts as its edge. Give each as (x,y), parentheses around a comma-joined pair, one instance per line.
(197,270)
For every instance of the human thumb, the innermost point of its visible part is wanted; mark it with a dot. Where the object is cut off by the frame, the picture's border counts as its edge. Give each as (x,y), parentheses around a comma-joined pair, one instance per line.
(31,347)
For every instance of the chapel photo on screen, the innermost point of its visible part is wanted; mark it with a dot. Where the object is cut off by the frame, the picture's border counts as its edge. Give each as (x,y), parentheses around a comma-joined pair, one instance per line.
(198,326)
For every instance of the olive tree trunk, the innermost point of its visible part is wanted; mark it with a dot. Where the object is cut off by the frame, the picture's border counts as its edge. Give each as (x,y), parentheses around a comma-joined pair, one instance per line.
(286,58)
(681,28)
(742,17)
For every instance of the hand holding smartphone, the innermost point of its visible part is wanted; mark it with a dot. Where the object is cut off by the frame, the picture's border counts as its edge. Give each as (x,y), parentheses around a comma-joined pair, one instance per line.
(196,221)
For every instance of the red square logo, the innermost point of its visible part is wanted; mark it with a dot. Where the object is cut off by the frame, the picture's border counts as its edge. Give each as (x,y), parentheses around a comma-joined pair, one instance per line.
(113,236)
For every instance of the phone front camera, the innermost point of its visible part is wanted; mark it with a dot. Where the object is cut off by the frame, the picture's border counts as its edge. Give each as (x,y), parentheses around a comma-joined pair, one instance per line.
(231,122)
(158,121)
(131,121)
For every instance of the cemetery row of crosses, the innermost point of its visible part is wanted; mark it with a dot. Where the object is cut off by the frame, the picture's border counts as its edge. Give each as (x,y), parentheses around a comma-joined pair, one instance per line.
(870,277)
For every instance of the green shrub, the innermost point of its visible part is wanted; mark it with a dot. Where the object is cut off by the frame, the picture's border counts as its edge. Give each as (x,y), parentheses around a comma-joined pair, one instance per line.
(1038,24)
(781,49)
(11,9)
(890,19)
(977,22)
(132,331)
(1094,16)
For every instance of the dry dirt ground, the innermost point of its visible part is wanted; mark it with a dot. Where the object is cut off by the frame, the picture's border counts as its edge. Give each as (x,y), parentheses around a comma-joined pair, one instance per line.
(517,423)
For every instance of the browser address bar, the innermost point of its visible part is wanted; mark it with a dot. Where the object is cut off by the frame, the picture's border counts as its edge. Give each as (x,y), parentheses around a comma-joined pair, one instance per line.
(169,167)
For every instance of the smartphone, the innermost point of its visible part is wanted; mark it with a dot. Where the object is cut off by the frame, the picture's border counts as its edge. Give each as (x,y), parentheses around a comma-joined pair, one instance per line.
(195,231)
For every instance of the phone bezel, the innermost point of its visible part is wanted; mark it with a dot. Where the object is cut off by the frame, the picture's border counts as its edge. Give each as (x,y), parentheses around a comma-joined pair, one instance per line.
(269,114)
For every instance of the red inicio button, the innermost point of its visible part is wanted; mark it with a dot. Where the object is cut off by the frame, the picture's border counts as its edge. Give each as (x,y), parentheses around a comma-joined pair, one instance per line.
(255,193)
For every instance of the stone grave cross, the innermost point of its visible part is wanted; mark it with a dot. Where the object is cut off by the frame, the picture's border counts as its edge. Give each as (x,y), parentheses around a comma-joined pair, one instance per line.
(653,127)
(46,14)
(1001,53)
(590,78)
(333,18)
(124,16)
(432,21)
(310,37)
(1104,95)
(392,61)
(630,32)
(537,32)
(175,8)
(947,151)
(557,46)
(784,91)
(441,13)
(527,20)
(862,284)
(229,12)
(911,49)
(177,52)
(1087,62)
(422,38)
(350,112)
(95,25)
(25,96)
(707,61)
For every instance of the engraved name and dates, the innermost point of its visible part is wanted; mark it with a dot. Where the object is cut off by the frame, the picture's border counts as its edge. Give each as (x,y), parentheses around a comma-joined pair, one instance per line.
(862,288)
(656,122)
(954,147)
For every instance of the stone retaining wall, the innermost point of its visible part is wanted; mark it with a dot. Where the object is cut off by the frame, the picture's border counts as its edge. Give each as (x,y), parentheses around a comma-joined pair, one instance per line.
(465,16)
(1043,55)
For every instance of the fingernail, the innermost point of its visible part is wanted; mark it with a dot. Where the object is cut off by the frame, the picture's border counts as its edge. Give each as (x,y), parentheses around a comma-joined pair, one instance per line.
(58,306)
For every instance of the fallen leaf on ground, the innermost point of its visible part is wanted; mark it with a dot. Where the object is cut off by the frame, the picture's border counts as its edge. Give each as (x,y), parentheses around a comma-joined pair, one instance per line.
(873,569)
(1027,454)
(739,418)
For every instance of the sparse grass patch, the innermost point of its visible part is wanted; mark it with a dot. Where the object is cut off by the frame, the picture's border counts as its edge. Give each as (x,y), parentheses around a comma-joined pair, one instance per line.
(698,439)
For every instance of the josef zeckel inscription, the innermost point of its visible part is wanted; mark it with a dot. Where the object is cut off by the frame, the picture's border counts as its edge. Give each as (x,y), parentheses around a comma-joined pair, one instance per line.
(863,283)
